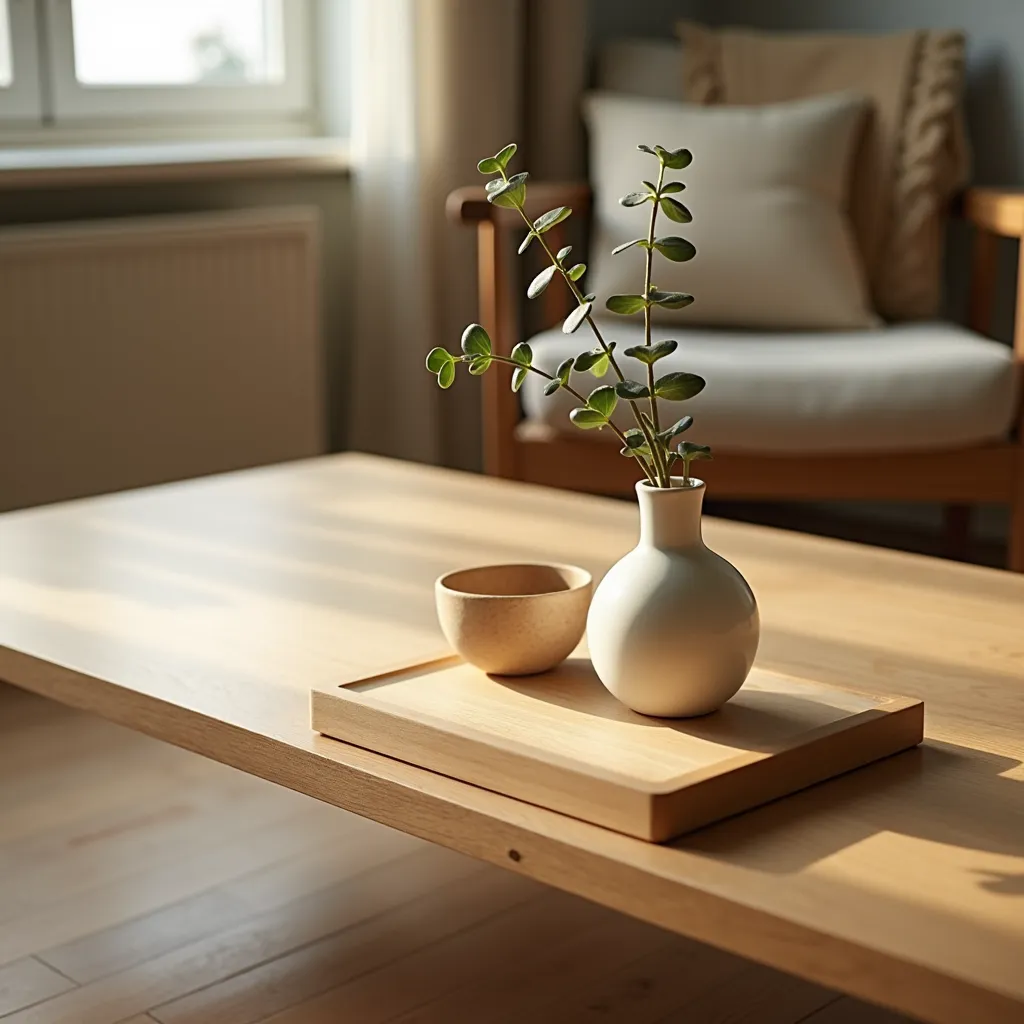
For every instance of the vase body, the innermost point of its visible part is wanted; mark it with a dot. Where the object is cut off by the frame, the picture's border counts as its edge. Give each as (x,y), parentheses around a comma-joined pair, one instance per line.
(673,627)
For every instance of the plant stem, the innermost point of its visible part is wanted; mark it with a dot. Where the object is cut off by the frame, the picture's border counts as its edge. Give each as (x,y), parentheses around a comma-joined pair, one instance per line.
(647,291)
(572,391)
(652,441)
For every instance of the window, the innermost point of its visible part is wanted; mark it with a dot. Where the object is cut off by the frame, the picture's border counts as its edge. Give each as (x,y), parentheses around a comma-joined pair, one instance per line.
(5,47)
(19,61)
(155,65)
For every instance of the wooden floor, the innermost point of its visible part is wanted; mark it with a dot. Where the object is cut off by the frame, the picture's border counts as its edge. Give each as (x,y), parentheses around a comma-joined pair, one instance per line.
(140,883)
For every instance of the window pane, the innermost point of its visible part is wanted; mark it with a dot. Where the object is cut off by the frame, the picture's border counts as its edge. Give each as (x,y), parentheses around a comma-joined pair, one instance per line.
(5,45)
(177,42)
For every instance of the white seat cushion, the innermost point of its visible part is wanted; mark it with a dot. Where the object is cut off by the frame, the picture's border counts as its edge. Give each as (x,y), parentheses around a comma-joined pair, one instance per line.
(916,386)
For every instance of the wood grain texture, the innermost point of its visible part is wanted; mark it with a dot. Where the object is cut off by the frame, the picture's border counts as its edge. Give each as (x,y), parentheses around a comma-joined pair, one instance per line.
(399,931)
(561,741)
(202,613)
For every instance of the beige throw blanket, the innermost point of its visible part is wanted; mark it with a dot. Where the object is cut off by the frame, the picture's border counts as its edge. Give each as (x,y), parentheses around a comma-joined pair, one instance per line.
(912,157)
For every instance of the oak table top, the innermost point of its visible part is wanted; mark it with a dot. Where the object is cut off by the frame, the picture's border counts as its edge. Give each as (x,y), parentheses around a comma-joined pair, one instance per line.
(202,613)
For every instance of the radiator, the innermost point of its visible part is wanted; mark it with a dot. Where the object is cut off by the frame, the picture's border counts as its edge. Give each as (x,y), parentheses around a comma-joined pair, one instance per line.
(139,351)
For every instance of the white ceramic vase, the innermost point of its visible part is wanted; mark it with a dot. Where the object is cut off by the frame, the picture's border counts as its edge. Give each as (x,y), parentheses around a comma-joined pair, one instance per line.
(673,627)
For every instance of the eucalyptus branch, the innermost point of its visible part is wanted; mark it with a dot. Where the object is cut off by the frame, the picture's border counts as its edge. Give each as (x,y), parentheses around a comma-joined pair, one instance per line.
(581,300)
(646,442)
(648,267)
(565,387)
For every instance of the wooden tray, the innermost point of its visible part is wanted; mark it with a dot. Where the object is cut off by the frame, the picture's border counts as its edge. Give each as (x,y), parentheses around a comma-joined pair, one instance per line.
(562,741)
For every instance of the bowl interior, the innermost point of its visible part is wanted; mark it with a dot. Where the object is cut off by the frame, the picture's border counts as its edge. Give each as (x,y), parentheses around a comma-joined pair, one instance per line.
(519,580)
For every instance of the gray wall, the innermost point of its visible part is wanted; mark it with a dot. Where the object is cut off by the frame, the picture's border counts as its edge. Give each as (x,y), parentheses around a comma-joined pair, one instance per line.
(995,73)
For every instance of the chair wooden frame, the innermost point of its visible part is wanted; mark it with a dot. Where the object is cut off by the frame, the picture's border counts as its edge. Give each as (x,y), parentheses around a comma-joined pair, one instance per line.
(515,449)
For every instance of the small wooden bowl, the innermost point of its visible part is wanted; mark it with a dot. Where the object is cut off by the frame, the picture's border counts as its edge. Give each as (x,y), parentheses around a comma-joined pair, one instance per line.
(514,620)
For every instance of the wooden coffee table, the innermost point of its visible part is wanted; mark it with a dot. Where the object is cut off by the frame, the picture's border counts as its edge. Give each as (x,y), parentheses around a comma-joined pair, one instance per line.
(201,614)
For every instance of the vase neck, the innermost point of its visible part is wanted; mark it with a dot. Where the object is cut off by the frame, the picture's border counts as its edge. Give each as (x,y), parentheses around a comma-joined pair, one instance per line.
(670,517)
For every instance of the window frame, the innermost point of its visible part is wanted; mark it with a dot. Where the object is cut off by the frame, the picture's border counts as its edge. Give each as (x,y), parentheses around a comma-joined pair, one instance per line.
(21,102)
(74,102)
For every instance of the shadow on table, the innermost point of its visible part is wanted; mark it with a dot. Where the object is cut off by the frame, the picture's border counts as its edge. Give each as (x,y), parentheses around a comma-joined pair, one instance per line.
(939,792)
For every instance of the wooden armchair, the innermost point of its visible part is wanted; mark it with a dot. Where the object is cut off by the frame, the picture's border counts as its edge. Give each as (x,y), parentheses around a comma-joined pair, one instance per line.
(521,449)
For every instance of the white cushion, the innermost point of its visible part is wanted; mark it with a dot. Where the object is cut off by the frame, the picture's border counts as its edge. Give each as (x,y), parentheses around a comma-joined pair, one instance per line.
(914,386)
(768,192)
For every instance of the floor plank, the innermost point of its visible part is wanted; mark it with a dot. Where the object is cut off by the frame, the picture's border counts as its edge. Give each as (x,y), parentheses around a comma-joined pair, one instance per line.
(409,928)
(132,942)
(28,981)
(143,885)
(851,1011)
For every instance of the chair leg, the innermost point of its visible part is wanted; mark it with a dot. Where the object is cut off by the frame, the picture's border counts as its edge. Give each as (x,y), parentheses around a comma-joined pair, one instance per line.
(1015,561)
(956,531)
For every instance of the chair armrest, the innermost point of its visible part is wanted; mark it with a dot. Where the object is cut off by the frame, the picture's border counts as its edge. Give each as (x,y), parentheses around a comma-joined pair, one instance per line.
(999,210)
(469,205)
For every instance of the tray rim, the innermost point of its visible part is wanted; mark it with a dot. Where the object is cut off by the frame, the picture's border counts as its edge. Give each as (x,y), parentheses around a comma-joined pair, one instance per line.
(888,704)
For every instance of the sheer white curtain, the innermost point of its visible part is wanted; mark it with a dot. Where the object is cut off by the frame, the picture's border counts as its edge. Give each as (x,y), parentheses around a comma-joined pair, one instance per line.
(437,85)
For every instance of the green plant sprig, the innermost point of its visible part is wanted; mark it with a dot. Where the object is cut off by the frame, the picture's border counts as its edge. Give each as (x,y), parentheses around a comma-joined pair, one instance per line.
(646,442)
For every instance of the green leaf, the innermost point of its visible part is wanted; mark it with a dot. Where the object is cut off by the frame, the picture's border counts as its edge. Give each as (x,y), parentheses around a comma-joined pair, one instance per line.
(631,390)
(505,154)
(525,244)
(588,419)
(651,187)
(511,193)
(671,300)
(646,149)
(446,375)
(576,317)
(603,399)
(488,166)
(626,304)
(677,428)
(438,357)
(628,245)
(564,369)
(596,361)
(551,387)
(546,221)
(674,210)
(480,365)
(563,252)
(689,450)
(522,354)
(672,186)
(677,387)
(677,249)
(635,198)
(475,341)
(518,376)
(677,159)
(649,354)
(541,281)
(577,272)
(635,438)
